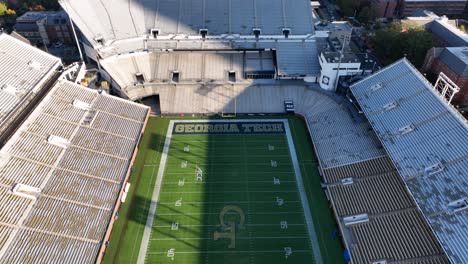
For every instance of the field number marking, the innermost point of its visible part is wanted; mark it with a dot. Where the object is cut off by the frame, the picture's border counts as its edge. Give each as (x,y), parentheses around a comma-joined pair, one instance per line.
(284,225)
(287,252)
(171,253)
(279,201)
(274,164)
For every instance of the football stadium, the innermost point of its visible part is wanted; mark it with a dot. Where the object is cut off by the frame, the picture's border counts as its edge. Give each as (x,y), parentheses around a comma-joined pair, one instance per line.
(218,145)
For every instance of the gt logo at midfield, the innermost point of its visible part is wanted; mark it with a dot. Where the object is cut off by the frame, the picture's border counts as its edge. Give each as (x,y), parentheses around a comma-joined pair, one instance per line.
(228,229)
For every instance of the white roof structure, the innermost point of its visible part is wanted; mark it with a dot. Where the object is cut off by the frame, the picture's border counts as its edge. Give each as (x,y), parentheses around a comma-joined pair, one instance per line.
(24,70)
(427,141)
(62,173)
(127,19)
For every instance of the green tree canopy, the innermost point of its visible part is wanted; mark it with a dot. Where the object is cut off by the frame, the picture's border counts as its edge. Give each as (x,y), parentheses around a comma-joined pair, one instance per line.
(3,8)
(392,43)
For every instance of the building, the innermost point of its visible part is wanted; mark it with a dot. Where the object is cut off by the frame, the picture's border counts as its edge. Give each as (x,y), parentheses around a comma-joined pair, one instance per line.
(453,62)
(351,64)
(384,8)
(45,27)
(445,7)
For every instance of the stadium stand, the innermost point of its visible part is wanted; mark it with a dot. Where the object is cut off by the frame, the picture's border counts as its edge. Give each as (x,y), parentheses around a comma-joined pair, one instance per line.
(25,73)
(426,139)
(62,174)
(103,22)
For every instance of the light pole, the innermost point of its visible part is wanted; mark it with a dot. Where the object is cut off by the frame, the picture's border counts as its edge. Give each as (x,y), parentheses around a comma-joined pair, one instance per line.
(346,39)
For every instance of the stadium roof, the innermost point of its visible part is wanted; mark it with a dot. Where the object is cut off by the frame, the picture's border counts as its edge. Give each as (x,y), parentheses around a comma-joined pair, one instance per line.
(427,141)
(126,19)
(61,175)
(24,70)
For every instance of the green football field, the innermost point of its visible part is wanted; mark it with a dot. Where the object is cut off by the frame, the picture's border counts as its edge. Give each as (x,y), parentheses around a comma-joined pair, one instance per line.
(229,198)
(244,207)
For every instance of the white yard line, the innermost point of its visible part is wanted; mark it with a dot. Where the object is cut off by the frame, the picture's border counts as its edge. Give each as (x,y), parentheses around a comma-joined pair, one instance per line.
(169,226)
(229,252)
(211,238)
(223,182)
(305,203)
(230,202)
(238,191)
(256,213)
(262,172)
(155,197)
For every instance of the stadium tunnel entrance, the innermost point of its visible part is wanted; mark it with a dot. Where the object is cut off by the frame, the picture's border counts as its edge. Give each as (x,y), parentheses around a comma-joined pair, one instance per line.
(153,102)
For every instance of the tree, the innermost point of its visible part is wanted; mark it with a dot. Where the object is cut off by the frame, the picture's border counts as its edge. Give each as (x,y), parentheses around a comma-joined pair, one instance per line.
(462,28)
(392,43)
(3,8)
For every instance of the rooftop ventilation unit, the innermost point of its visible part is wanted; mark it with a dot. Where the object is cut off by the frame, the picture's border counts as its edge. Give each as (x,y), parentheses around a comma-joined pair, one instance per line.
(81,105)
(405,130)
(26,191)
(256,32)
(390,106)
(154,32)
(286,32)
(203,32)
(9,89)
(35,65)
(58,141)
(457,205)
(433,169)
(347,181)
(376,87)
(99,40)
(355,219)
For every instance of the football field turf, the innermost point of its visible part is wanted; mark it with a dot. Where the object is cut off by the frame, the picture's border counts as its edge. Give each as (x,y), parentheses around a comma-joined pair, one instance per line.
(229,198)
(200,218)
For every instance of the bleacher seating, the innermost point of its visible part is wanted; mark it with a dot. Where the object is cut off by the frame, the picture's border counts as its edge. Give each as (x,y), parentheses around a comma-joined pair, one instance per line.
(79,182)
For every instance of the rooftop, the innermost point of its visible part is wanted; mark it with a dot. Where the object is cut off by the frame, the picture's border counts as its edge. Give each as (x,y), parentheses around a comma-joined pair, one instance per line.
(24,70)
(426,140)
(75,137)
(125,19)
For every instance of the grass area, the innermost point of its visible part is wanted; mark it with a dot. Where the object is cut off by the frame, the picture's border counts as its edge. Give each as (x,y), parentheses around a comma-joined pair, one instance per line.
(237,169)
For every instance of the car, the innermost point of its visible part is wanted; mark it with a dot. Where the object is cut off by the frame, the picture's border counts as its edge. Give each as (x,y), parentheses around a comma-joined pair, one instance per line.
(289,106)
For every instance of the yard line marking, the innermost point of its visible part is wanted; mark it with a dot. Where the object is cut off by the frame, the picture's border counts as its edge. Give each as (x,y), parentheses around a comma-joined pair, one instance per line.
(229,156)
(247,225)
(223,182)
(210,238)
(303,195)
(155,197)
(256,213)
(231,202)
(232,172)
(239,191)
(228,252)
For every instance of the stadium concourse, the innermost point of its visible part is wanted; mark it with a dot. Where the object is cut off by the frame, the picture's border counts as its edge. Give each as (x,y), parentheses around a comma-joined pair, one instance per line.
(64,168)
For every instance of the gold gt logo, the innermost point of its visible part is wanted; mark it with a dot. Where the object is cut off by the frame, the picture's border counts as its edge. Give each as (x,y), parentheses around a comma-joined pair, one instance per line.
(228,229)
